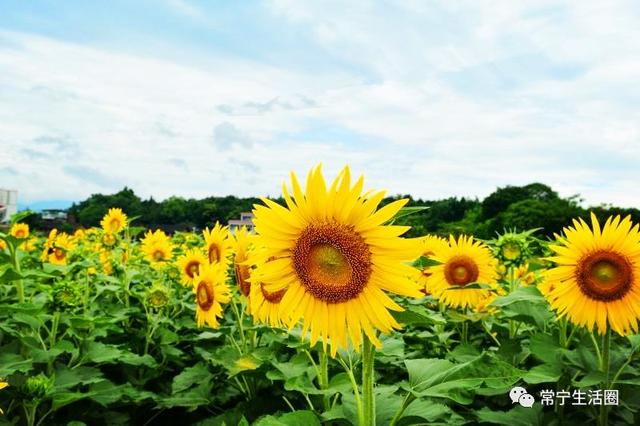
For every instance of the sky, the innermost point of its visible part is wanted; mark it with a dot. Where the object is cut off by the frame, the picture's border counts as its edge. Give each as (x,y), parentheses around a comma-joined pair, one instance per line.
(428,98)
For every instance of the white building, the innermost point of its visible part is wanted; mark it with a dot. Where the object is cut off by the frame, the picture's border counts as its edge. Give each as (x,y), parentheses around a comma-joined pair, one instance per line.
(8,204)
(246,220)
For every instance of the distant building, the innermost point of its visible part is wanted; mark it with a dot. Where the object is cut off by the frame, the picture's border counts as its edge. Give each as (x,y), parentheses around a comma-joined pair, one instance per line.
(246,220)
(8,204)
(54,214)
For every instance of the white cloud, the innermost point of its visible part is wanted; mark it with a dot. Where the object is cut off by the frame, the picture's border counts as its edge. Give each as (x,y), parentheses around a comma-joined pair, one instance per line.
(438,94)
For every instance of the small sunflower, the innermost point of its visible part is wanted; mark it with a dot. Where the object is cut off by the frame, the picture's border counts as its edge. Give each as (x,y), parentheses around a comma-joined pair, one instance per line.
(108,239)
(513,248)
(217,244)
(211,290)
(20,230)
(596,281)
(158,296)
(3,244)
(463,261)
(156,246)
(189,265)
(241,243)
(29,245)
(114,221)
(264,305)
(57,248)
(335,257)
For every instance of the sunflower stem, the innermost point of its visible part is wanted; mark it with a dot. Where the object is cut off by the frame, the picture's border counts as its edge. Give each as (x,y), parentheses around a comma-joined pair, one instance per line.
(368,397)
(16,266)
(354,385)
(323,379)
(604,367)
(596,347)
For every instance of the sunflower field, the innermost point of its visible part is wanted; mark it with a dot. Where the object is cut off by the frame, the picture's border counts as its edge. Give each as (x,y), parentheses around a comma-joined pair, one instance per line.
(323,314)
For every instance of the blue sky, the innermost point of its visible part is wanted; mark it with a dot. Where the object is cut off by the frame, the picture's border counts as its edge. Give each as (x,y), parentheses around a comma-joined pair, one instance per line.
(432,98)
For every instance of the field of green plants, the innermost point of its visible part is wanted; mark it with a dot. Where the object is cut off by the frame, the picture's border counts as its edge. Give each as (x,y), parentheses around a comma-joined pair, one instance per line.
(323,314)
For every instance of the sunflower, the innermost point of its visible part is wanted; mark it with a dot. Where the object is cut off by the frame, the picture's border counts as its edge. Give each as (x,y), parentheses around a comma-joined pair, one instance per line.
(108,239)
(335,257)
(241,243)
(597,277)
(463,261)
(211,292)
(156,246)
(189,265)
(264,305)
(3,244)
(217,244)
(430,245)
(57,248)
(29,245)
(20,230)
(114,221)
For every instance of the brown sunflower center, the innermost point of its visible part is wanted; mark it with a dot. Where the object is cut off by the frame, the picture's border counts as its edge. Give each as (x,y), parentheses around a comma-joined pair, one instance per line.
(59,253)
(114,223)
(192,268)
(214,254)
(273,297)
(20,233)
(332,261)
(461,270)
(242,279)
(158,255)
(204,295)
(604,275)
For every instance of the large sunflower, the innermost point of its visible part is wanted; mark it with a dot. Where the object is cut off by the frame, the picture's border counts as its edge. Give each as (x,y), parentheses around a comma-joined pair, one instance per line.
(189,265)
(157,246)
(597,277)
(462,262)
(335,257)
(114,221)
(211,292)
(217,244)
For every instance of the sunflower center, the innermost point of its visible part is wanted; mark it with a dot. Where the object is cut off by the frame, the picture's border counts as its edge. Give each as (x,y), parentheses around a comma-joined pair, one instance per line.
(20,233)
(214,254)
(115,223)
(59,253)
(461,270)
(192,268)
(158,255)
(273,297)
(604,276)
(332,261)
(242,279)
(204,295)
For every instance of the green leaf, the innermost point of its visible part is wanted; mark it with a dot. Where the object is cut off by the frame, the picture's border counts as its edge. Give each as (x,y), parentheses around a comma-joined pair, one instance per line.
(545,347)
(425,262)
(521,294)
(422,410)
(442,379)
(518,416)
(189,377)
(11,363)
(67,378)
(297,418)
(544,373)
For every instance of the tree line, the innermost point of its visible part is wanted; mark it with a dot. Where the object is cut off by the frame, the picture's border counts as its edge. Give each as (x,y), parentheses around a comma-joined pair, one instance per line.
(512,207)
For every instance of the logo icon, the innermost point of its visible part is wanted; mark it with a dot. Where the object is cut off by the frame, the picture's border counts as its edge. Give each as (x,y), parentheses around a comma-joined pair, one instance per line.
(520,395)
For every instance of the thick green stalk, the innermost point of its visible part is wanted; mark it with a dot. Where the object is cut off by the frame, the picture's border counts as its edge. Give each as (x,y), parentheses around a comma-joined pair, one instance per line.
(356,392)
(368,397)
(604,367)
(323,379)
(16,266)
